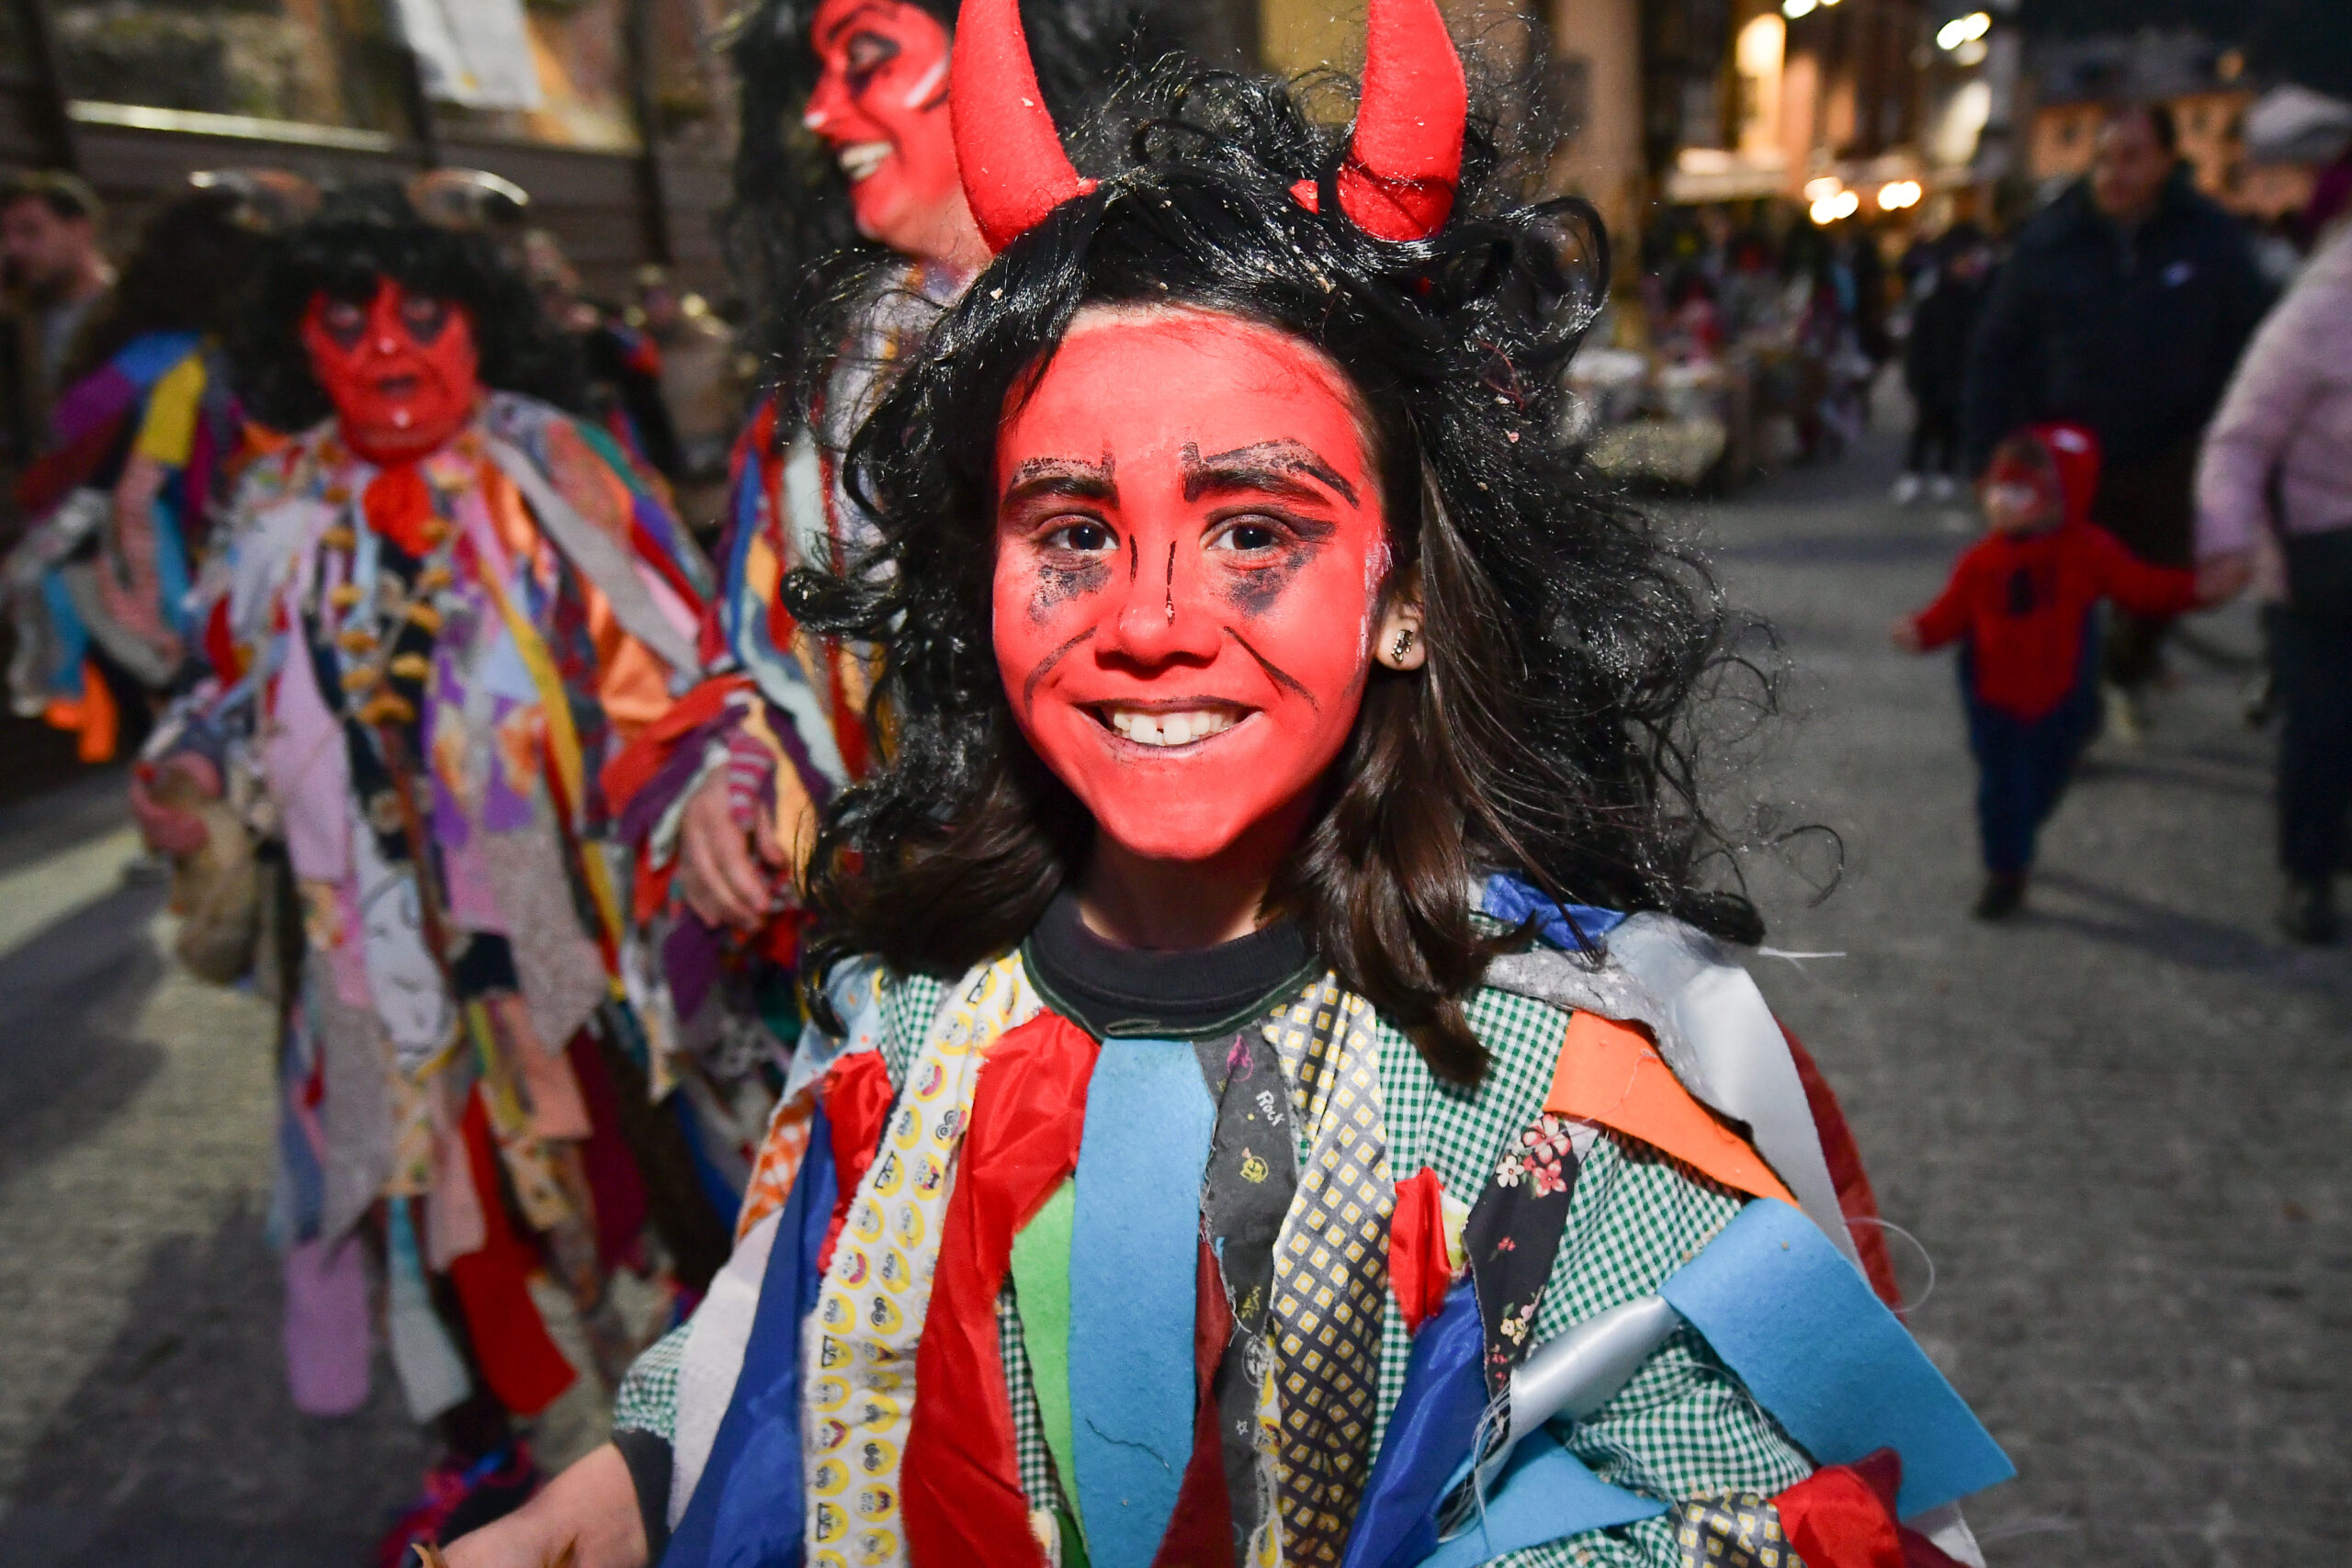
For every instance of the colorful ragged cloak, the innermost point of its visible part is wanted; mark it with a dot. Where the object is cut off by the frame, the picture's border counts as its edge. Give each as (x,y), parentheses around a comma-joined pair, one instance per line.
(417,676)
(141,450)
(781,715)
(1620,1305)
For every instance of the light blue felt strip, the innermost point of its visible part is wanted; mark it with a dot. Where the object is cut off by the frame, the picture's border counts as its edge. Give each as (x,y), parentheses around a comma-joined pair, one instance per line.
(1841,1374)
(1545,1493)
(1133,1274)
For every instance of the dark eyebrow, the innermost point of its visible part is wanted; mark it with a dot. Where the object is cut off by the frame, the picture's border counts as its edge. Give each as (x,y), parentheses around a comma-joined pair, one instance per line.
(1072,477)
(1267,466)
(843,25)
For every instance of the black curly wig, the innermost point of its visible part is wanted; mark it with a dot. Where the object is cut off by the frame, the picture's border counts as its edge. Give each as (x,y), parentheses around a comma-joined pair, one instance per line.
(1551,731)
(363,235)
(194,263)
(789,232)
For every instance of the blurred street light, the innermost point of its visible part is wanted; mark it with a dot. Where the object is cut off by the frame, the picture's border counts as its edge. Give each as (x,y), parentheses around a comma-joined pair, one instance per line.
(1964,30)
(1897,195)
(1828,209)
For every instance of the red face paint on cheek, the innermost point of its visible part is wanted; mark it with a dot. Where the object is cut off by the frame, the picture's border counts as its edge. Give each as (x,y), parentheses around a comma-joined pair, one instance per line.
(400,369)
(1190,546)
(881,103)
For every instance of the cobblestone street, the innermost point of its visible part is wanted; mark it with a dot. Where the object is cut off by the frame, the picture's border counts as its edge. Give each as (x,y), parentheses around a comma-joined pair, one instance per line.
(2117,1128)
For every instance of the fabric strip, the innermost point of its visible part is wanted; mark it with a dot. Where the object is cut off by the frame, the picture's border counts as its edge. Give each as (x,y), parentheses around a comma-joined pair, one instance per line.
(1840,1374)
(1611,1074)
(1041,1287)
(1133,1243)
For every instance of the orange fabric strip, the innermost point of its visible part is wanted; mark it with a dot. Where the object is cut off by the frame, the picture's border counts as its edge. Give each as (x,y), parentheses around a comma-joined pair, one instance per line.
(1610,1073)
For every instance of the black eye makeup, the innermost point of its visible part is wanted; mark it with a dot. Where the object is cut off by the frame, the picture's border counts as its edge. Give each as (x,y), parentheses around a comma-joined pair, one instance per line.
(344,322)
(864,56)
(425,318)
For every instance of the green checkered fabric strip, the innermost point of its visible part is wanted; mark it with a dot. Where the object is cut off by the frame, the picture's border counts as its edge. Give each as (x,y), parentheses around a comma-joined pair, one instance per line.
(1037,1460)
(647,1400)
(909,1004)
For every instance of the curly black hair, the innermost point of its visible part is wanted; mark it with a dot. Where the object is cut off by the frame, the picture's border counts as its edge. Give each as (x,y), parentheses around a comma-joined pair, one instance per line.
(1551,733)
(370,234)
(787,232)
(189,274)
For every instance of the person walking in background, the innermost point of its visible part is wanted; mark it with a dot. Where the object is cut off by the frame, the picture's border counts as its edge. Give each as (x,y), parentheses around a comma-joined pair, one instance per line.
(144,442)
(54,275)
(1935,360)
(2122,309)
(703,386)
(2278,460)
(2021,603)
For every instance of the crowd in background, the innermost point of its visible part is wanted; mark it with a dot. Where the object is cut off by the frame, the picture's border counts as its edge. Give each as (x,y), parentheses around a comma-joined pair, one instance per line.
(2130,306)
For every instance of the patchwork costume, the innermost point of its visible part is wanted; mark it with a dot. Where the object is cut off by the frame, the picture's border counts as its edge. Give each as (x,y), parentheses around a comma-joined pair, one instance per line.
(417,671)
(780,714)
(991,1319)
(141,450)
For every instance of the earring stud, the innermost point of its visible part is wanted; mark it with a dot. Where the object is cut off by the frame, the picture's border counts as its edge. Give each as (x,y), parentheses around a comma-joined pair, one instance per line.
(1404,644)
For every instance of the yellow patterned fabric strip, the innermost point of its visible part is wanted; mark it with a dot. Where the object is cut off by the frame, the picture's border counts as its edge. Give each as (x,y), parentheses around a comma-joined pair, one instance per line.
(1331,1268)
(870,1310)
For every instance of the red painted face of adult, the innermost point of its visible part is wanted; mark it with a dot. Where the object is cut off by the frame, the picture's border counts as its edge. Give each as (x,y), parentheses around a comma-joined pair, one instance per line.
(1191,551)
(400,369)
(880,104)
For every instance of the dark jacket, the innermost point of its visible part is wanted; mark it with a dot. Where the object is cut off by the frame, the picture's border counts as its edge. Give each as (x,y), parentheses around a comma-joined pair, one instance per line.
(1935,357)
(2134,335)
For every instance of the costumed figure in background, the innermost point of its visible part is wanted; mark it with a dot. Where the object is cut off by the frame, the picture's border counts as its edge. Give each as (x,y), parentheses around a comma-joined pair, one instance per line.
(1248,1136)
(429,621)
(144,442)
(851,225)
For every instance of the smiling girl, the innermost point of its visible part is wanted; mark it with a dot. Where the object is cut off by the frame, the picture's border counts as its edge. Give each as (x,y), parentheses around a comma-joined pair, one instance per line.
(1284,1103)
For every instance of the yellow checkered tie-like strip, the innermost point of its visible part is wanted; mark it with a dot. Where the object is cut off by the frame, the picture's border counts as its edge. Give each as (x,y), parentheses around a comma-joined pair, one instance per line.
(1330,1270)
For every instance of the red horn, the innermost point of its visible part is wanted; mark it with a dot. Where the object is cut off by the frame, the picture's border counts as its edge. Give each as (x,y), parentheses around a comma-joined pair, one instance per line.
(1404,157)
(1008,154)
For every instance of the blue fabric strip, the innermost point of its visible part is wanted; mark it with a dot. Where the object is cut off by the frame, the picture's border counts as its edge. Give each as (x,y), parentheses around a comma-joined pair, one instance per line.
(1435,1422)
(145,358)
(1840,1374)
(747,1509)
(1511,900)
(1134,1258)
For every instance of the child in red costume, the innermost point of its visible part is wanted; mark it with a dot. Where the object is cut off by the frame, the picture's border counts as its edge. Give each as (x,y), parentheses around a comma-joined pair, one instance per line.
(2020,603)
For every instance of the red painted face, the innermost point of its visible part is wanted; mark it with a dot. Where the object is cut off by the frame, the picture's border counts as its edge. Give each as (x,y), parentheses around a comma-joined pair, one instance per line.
(881,106)
(401,369)
(1190,554)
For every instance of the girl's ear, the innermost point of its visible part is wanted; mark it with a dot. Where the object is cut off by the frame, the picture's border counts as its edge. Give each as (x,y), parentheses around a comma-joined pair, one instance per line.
(1397,643)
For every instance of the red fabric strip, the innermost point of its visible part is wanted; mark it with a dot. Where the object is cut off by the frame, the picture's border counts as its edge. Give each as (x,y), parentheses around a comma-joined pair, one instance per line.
(960,1478)
(1200,1532)
(643,760)
(1855,1199)
(614,1183)
(399,505)
(1418,1265)
(518,1360)
(856,1097)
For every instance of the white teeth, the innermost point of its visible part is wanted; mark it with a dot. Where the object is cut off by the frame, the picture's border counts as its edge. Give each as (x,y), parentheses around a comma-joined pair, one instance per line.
(1178,729)
(860,159)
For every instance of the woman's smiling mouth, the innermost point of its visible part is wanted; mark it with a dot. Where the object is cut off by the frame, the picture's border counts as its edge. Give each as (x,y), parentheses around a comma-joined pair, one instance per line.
(1167,726)
(860,159)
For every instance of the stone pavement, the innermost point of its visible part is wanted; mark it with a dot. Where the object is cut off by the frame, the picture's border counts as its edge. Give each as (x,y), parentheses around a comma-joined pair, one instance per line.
(2117,1128)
